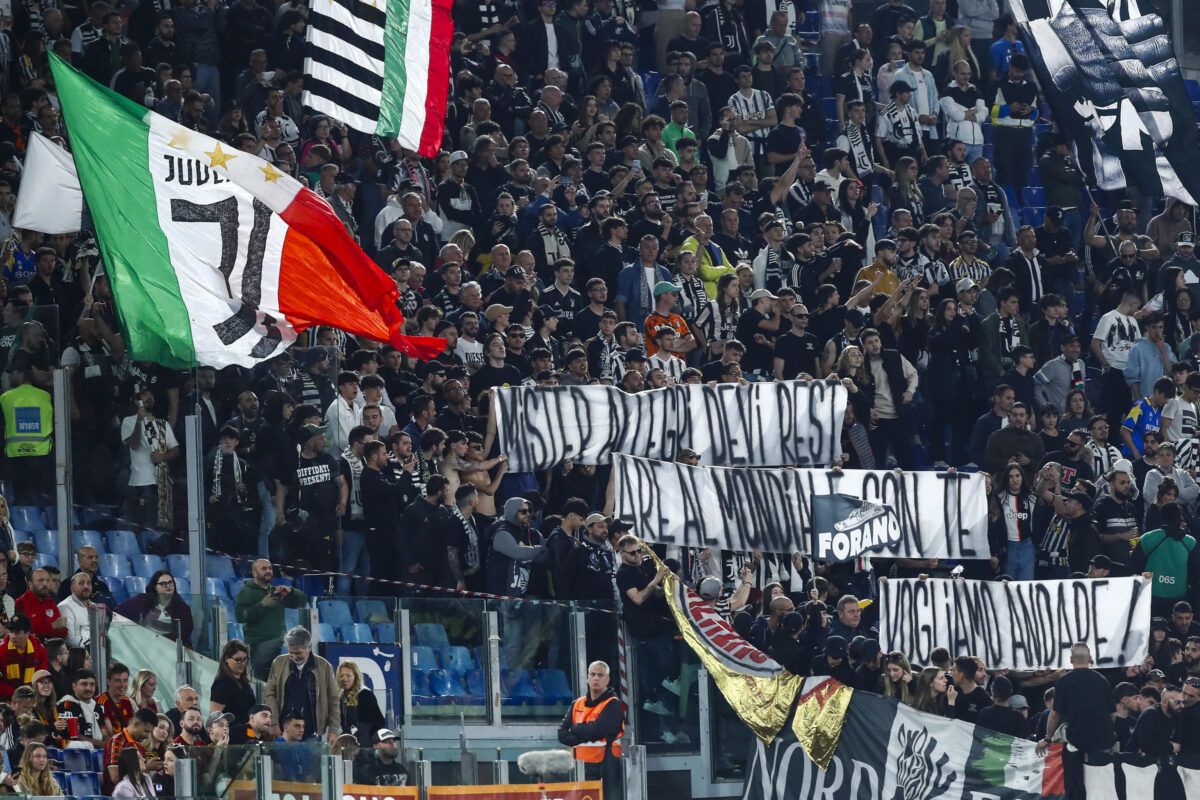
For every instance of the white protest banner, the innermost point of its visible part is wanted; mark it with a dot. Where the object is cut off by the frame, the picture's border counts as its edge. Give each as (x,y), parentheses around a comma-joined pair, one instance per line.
(795,423)
(1022,625)
(772,509)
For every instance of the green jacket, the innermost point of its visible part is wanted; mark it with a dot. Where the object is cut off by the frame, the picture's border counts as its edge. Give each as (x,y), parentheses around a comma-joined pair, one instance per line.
(260,623)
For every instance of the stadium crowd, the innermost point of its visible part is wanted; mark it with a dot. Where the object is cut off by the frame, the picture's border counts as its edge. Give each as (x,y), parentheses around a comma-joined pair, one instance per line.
(636,195)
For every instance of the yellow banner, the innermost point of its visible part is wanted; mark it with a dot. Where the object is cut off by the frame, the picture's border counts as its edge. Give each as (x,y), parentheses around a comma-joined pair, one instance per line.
(584,790)
(757,687)
(819,718)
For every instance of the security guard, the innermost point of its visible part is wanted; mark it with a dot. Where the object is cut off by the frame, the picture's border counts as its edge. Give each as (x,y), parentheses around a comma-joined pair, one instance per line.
(28,436)
(593,729)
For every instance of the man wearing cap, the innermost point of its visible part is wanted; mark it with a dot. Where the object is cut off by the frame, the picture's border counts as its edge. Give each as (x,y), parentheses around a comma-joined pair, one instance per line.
(1127,700)
(757,328)
(1185,258)
(666,297)
(1165,228)
(898,129)
(882,268)
(313,485)
(832,661)
(381,765)
(457,200)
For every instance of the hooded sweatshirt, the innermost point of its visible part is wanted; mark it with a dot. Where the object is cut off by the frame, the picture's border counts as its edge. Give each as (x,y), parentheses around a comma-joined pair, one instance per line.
(1164,230)
(514,547)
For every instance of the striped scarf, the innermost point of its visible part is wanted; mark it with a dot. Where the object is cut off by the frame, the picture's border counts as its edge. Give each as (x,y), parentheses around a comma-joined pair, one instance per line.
(21,666)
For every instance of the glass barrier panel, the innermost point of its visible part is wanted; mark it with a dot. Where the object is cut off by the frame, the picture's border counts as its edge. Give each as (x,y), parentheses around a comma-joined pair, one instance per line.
(226,772)
(296,762)
(449,658)
(665,694)
(732,740)
(537,660)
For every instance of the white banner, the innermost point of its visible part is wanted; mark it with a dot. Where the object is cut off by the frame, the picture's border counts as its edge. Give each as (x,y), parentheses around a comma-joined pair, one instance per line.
(797,423)
(771,509)
(1021,625)
(51,200)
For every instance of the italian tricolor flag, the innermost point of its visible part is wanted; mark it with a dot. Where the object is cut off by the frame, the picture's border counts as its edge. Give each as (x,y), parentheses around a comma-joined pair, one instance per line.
(416,78)
(215,257)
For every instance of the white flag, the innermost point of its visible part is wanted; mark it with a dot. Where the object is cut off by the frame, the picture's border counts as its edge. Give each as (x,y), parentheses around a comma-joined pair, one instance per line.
(50,200)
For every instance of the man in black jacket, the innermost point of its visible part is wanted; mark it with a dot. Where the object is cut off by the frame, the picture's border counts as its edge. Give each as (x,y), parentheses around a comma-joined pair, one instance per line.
(422,539)
(380,498)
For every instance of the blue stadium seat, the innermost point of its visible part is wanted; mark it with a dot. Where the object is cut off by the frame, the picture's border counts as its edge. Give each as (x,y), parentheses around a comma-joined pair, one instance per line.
(124,543)
(117,587)
(135,584)
(179,566)
(291,617)
(75,760)
(26,518)
(384,632)
(278,581)
(88,538)
(227,604)
(21,536)
(1033,215)
(47,542)
(832,130)
(83,783)
(215,587)
(650,82)
(516,689)
(481,657)
(115,566)
(326,632)
(335,612)
(458,659)
(989,151)
(989,132)
(44,560)
(97,760)
(829,107)
(431,634)
(423,658)
(233,586)
(446,685)
(476,688)
(1012,197)
(553,685)
(218,566)
(355,632)
(235,631)
(1035,177)
(370,611)
(183,585)
(145,565)
(1033,196)
(422,695)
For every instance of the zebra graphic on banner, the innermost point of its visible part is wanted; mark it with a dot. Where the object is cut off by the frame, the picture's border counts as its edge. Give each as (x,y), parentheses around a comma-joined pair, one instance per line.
(1112,79)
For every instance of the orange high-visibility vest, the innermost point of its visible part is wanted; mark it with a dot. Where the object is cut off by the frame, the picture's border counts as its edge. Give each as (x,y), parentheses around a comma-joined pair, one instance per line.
(594,752)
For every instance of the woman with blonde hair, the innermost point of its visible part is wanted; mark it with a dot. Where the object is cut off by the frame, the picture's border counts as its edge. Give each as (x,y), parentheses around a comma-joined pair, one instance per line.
(8,538)
(159,738)
(36,778)
(904,193)
(45,704)
(898,677)
(142,689)
(360,710)
(958,48)
(852,365)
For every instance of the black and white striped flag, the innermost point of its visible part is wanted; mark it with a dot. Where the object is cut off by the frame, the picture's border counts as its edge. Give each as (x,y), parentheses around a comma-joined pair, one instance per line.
(1112,80)
(344,66)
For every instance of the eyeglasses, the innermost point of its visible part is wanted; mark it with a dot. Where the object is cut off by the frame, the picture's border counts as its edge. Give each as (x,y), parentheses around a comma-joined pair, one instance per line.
(1100,428)
(239,659)
(165,583)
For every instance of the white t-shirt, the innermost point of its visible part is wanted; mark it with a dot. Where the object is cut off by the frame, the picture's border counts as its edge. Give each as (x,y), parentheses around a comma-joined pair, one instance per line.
(1117,333)
(470,352)
(141,471)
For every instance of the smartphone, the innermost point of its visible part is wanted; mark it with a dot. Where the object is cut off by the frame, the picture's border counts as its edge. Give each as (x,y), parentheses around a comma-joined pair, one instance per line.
(637,163)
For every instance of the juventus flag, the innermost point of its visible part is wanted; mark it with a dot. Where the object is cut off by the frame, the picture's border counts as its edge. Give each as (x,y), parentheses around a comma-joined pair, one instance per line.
(1111,77)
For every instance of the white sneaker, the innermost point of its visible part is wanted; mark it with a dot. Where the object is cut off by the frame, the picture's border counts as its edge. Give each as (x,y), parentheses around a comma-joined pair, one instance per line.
(671,686)
(683,738)
(668,738)
(941,466)
(656,708)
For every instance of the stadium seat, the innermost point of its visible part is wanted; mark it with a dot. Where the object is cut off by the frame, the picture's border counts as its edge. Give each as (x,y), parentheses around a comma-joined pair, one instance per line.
(291,617)
(649,82)
(21,536)
(44,560)
(46,542)
(326,632)
(218,566)
(89,538)
(75,760)
(446,685)
(554,686)
(182,585)
(335,612)
(276,581)
(179,566)
(215,587)
(1012,197)
(97,757)
(384,632)
(458,659)
(83,783)
(1035,177)
(989,132)
(1033,196)
(26,518)
(1033,215)
(229,606)
(135,584)
(123,542)
(423,658)
(114,566)
(430,634)
(117,587)
(145,566)
(481,657)
(370,611)
(476,688)
(422,695)
(235,631)
(355,632)
(516,689)
(829,107)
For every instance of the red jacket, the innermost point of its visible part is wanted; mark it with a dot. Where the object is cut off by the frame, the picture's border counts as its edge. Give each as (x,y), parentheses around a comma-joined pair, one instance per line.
(17,667)
(42,612)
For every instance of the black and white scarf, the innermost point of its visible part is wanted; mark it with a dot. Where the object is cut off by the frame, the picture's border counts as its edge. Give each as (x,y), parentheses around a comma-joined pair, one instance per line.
(554,242)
